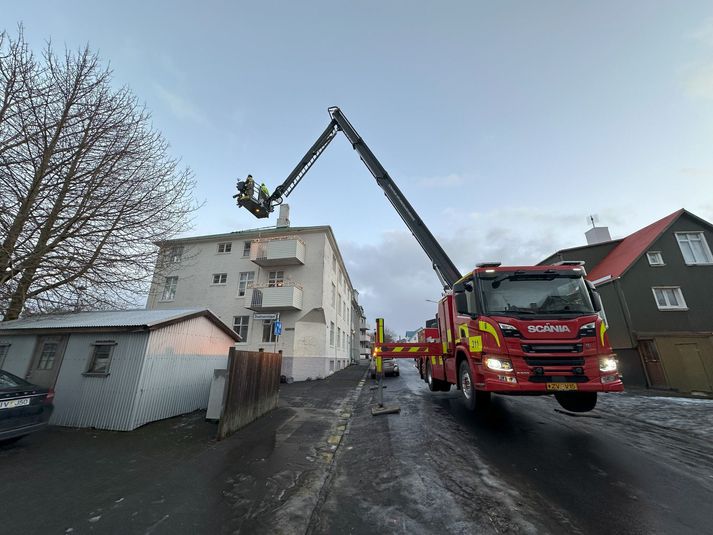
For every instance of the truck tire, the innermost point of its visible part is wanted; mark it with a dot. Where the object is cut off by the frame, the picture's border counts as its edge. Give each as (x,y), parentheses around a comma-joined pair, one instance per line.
(473,399)
(435,385)
(577,401)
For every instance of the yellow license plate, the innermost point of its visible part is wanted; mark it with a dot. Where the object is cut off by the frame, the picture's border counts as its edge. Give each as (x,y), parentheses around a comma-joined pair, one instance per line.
(561,386)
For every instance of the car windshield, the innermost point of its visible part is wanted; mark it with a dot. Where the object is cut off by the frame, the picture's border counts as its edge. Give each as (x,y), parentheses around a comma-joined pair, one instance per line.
(8,380)
(519,293)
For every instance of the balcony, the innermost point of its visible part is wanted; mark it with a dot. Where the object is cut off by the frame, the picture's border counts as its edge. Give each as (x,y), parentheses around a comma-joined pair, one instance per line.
(264,298)
(267,252)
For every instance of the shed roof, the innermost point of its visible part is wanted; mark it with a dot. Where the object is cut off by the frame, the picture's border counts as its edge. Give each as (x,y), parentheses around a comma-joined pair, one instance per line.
(112,319)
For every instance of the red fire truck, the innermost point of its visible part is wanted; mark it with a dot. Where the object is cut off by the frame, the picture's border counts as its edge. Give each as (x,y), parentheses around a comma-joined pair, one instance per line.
(517,330)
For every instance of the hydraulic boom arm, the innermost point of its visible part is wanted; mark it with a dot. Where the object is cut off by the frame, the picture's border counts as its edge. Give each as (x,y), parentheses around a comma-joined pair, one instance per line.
(442,264)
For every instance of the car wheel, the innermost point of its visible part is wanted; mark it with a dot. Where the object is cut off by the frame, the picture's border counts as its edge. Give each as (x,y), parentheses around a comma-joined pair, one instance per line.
(577,401)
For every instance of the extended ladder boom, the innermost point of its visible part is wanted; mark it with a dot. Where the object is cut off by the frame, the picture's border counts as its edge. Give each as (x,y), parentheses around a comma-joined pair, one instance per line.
(442,264)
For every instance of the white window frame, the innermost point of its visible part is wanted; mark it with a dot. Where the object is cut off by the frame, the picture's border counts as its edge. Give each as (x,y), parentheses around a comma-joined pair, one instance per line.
(174,254)
(275,279)
(220,279)
(683,237)
(243,282)
(655,258)
(93,357)
(271,337)
(331,333)
(681,305)
(246,248)
(238,324)
(225,247)
(170,285)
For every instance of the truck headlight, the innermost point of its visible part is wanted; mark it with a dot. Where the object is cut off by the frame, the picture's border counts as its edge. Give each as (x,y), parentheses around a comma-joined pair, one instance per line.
(607,364)
(588,329)
(509,331)
(498,365)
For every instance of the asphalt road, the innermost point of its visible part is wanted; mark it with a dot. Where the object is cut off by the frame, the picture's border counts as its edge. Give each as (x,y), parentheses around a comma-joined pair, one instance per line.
(521,467)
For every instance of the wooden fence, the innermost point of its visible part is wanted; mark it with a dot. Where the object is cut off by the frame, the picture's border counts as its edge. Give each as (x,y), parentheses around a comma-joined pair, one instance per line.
(252,388)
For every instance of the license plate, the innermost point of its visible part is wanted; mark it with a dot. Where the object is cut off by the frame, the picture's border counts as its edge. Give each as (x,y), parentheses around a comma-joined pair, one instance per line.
(561,386)
(14,403)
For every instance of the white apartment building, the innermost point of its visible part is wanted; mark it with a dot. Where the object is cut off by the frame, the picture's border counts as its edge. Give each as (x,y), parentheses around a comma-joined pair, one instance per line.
(251,279)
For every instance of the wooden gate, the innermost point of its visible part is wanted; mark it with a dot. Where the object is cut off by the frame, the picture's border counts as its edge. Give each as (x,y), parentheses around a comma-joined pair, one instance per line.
(252,388)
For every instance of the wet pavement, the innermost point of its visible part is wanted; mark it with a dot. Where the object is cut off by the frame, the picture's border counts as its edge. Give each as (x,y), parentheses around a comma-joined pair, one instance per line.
(521,466)
(322,464)
(173,477)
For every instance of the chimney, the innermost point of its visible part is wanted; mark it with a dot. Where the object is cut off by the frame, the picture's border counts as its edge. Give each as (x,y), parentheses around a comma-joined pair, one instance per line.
(597,235)
(283,220)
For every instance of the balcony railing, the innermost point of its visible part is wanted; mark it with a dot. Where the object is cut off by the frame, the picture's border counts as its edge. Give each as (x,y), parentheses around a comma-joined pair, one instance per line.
(267,298)
(284,251)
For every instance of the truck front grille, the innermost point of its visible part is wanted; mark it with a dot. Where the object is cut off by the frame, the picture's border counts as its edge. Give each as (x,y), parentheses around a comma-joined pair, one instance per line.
(552,348)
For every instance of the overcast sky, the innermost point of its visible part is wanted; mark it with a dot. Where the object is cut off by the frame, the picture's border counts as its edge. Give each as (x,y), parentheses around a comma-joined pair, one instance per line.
(505,123)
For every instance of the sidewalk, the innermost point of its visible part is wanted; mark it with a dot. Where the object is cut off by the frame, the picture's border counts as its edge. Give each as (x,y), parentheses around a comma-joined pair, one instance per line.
(172,477)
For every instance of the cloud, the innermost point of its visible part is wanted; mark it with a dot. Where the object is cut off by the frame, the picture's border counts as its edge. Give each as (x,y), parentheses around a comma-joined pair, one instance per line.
(179,106)
(704,33)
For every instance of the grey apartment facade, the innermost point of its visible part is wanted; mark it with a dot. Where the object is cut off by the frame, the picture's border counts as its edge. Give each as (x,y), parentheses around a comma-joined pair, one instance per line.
(253,279)
(657,288)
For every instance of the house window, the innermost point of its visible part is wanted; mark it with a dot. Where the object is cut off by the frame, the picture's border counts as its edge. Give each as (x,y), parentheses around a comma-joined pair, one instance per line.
(268,333)
(339,337)
(246,248)
(339,305)
(669,298)
(4,348)
(275,278)
(246,278)
(331,333)
(655,258)
(334,294)
(220,278)
(225,247)
(174,254)
(169,289)
(331,365)
(101,357)
(694,248)
(240,326)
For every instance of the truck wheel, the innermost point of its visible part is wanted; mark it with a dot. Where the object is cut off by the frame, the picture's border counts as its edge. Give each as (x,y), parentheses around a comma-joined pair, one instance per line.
(472,398)
(432,383)
(577,401)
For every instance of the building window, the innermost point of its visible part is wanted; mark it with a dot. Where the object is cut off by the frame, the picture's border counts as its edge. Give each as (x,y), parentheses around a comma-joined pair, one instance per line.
(174,254)
(101,357)
(240,326)
(669,298)
(655,258)
(694,248)
(268,333)
(334,295)
(339,337)
(331,365)
(225,247)
(220,278)
(275,278)
(169,289)
(339,305)
(331,333)
(246,248)
(4,348)
(246,278)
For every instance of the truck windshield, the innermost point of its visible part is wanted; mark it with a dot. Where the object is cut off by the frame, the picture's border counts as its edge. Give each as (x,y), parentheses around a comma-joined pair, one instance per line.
(535,293)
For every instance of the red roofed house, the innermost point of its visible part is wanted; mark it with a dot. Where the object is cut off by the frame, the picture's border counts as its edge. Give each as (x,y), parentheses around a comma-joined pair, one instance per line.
(657,289)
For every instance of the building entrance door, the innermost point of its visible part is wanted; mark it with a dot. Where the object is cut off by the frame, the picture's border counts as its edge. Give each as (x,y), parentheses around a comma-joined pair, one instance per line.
(47,360)
(692,369)
(652,364)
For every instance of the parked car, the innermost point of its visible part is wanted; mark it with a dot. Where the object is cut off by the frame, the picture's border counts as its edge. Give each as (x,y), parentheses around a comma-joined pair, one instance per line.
(24,407)
(388,367)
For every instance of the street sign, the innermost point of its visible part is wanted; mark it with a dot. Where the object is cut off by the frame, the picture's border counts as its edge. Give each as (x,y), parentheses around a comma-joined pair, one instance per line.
(265,316)
(277,328)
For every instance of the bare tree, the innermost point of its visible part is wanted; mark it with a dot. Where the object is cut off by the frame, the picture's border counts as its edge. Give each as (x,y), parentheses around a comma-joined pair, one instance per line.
(86,184)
